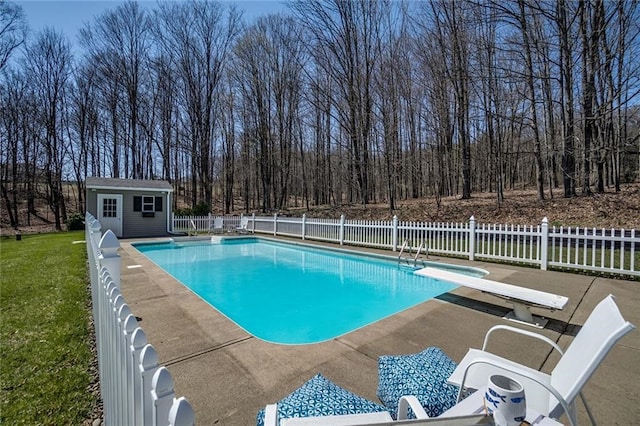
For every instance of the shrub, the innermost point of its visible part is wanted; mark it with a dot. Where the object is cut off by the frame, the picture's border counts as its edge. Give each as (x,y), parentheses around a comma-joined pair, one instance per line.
(201,209)
(182,212)
(75,222)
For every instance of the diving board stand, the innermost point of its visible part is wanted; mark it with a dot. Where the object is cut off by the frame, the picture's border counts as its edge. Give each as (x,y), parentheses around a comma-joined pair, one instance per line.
(522,298)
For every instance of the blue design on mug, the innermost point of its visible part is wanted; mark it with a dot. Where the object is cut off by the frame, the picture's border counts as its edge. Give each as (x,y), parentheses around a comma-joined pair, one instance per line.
(490,401)
(519,419)
(517,400)
(497,395)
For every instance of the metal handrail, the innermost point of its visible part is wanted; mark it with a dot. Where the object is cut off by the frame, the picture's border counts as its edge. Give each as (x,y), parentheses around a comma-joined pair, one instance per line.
(404,244)
(415,259)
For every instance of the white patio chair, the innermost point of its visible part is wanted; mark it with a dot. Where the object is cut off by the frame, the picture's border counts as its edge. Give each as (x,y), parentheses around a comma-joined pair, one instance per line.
(244,222)
(555,393)
(218,225)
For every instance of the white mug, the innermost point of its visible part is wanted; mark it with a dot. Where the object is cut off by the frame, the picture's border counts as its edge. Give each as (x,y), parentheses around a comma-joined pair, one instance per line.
(505,399)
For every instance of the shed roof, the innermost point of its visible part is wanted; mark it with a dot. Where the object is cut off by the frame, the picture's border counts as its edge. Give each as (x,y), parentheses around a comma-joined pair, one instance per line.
(128,184)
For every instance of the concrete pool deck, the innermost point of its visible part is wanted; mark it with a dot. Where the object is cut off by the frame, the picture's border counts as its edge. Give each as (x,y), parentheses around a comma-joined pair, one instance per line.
(227,375)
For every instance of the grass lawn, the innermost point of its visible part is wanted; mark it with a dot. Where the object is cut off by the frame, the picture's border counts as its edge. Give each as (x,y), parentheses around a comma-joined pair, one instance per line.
(45,355)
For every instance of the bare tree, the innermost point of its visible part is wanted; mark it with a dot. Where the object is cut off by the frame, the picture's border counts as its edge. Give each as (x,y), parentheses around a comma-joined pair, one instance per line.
(356,101)
(392,73)
(268,69)
(13,30)
(343,43)
(198,38)
(119,40)
(48,67)
(14,118)
(229,144)
(82,128)
(166,94)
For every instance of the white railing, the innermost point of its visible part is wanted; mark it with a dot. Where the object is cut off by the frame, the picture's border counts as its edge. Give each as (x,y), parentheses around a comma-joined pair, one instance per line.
(189,224)
(135,389)
(608,251)
(594,249)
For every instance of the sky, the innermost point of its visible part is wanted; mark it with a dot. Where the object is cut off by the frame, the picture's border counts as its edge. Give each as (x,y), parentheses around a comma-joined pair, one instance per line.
(69,16)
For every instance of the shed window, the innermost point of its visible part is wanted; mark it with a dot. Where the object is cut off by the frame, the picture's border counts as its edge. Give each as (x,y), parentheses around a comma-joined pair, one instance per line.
(109,207)
(147,204)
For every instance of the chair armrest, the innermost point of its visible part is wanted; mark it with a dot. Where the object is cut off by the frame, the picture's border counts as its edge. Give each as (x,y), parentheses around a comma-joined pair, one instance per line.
(523,373)
(271,415)
(523,332)
(410,401)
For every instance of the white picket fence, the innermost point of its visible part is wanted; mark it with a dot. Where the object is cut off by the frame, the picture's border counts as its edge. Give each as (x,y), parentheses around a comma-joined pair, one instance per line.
(196,224)
(135,389)
(608,251)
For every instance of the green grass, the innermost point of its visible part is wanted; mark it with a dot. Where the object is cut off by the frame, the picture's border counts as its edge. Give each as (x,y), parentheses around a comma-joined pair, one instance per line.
(45,355)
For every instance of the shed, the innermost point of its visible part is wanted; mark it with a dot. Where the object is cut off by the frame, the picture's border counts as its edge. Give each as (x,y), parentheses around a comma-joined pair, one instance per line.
(130,207)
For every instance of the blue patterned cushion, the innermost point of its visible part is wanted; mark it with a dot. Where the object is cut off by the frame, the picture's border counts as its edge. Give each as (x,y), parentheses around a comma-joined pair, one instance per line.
(321,397)
(423,375)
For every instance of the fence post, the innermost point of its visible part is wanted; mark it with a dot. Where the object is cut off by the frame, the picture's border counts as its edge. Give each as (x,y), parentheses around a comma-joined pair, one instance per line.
(161,396)
(105,343)
(147,368)
(394,237)
(275,224)
(341,234)
(119,346)
(129,327)
(95,229)
(544,244)
(138,342)
(209,222)
(181,413)
(304,224)
(109,257)
(253,223)
(472,238)
(124,336)
(106,347)
(92,244)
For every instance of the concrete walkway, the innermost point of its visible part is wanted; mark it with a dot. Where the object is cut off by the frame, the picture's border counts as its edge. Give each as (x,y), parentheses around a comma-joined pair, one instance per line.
(227,375)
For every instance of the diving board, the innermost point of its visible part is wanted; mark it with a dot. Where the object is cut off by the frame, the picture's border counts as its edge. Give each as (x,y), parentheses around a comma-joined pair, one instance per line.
(521,297)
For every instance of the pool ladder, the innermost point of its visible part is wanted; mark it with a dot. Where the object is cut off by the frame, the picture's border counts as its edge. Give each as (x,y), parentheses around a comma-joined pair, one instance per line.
(409,258)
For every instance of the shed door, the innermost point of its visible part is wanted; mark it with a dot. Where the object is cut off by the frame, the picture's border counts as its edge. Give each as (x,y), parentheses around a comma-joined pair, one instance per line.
(110,213)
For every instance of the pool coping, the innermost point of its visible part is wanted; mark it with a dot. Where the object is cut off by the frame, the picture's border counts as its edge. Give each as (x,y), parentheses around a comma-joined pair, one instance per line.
(228,375)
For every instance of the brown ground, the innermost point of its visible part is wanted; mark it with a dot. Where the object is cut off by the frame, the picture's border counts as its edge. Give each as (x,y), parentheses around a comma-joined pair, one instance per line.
(520,207)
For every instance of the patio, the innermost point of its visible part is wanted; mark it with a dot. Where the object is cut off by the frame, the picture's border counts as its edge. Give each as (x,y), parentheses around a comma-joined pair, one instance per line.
(227,375)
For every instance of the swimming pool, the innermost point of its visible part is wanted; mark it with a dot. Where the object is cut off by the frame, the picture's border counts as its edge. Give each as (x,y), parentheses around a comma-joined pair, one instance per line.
(292,294)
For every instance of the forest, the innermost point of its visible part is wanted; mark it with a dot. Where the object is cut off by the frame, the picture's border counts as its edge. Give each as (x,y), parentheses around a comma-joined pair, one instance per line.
(334,102)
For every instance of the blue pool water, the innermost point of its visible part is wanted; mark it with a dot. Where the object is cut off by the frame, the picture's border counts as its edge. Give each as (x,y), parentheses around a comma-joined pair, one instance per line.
(291,294)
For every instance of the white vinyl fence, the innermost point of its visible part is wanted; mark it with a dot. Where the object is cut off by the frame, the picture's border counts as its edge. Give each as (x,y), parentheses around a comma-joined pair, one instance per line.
(135,389)
(610,251)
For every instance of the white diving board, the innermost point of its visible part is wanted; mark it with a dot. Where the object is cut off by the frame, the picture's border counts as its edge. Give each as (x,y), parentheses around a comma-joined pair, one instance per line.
(521,297)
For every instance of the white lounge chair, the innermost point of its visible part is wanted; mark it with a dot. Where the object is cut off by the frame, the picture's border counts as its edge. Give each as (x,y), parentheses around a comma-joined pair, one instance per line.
(521,297)
(218,225)
(555,393)
(244,222)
